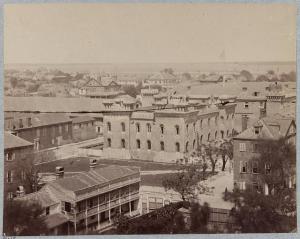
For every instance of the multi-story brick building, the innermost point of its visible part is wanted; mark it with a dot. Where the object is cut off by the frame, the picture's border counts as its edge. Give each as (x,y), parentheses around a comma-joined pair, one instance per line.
(90,200)
(247,170)
(17,153)
(165,134)
(43,130)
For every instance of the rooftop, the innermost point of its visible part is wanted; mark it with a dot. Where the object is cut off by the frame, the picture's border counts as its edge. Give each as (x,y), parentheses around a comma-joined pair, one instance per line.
(82,119)
(12,141)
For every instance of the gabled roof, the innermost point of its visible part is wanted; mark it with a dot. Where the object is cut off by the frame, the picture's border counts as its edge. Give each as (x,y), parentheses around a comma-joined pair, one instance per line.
(12,141)
(272,127)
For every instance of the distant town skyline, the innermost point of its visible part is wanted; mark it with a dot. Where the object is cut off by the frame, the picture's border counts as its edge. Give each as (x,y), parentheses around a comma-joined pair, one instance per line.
(148,33)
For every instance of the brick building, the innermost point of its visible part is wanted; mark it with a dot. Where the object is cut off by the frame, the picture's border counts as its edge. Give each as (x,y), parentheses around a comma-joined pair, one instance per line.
(247,171)
(43,130)
(88,201)
(17,154)
(164,134)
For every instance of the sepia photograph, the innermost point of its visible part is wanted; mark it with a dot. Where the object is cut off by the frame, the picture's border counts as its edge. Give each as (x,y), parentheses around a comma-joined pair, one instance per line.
(149,118)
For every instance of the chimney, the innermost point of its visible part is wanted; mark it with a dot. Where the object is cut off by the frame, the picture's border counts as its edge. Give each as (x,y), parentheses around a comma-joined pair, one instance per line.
(93,163)
(20,191)
(244,122)
(59,172)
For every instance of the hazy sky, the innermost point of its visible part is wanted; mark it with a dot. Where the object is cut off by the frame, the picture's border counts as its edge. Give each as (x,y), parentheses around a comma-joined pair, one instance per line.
(128,33)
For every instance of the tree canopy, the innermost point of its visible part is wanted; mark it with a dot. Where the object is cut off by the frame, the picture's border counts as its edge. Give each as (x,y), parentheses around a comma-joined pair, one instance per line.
(23,219)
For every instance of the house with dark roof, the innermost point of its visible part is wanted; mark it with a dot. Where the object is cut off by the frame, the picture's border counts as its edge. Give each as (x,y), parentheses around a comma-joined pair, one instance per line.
(17,156)
(46,130)
(247,170)
(88,201)
(100,88)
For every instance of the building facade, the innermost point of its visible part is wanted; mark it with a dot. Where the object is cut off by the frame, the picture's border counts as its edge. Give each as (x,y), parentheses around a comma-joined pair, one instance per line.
(89,200)
(43,130)
(247,170)
(17,155)
(164,134)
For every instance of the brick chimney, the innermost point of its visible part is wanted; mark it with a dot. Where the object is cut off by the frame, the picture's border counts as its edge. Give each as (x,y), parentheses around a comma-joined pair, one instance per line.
(59,172)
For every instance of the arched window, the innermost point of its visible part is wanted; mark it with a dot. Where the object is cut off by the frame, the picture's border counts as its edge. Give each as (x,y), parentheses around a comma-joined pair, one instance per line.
(148,127)
(222,134)
(123,143)
(123,126)
(216,134)
(138,144)
(201,124)
(194,127)
(162,129)
(194,143)
(108,126)
(227,133)
(138,128)
(149,144)
(162,146)
(216,120)
(177,145)
(109,142)
(187,128)
(208,121)
(177,129)
(201,139)
(208,137)
(187,147)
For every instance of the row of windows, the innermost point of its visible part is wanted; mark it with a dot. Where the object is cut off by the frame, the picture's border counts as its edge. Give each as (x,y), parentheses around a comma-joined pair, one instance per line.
(253,147)
(10,176)
(245,167)
(162,128)
(148,142)
(44,131)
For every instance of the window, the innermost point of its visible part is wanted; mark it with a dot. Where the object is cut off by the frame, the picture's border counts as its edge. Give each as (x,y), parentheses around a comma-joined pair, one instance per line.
(108,142)
(194,126)
(255,147)
(38,132)
(123,143)
(208,121)
(268,168)
(254,167)
(246,105)
(148,127)
(208,137)
(138,128)
(244,167)
(201,139)
(67,207)
(9,156)
(194,143)
(10,195)
(242,185)
(216,134)
(222,134)
(216,120)
(47,210)
(66,128)
(201,124)
(162,146)
(123,126)
(161,129)
(177,129)
(242,147)
(59,129)
(138,144)
(187,128)
(108,126)
(149,144)
(9,176)
(177,145)
(23,175)
(187,147)
(36,143)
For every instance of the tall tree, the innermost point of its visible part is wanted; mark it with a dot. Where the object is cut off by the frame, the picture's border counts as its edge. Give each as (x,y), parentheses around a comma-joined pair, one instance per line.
(211,151)
(23,219)
(226,152)
(186,182)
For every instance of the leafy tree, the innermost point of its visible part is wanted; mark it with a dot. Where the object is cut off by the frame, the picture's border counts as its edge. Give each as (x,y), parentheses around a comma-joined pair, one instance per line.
(271,72)
(23,219)
(262,78)
(169,71)
(257,213)
(13,82)
(293,76)
(186,182)
(187,76)
(226,152)
(279,157)
(247,75)
(199,217)
(212,153)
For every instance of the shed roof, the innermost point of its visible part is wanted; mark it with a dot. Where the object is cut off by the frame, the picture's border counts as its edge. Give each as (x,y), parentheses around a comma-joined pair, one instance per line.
(12,141)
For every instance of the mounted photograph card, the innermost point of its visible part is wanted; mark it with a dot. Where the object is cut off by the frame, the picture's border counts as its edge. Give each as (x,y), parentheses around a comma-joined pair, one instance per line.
(149,118)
